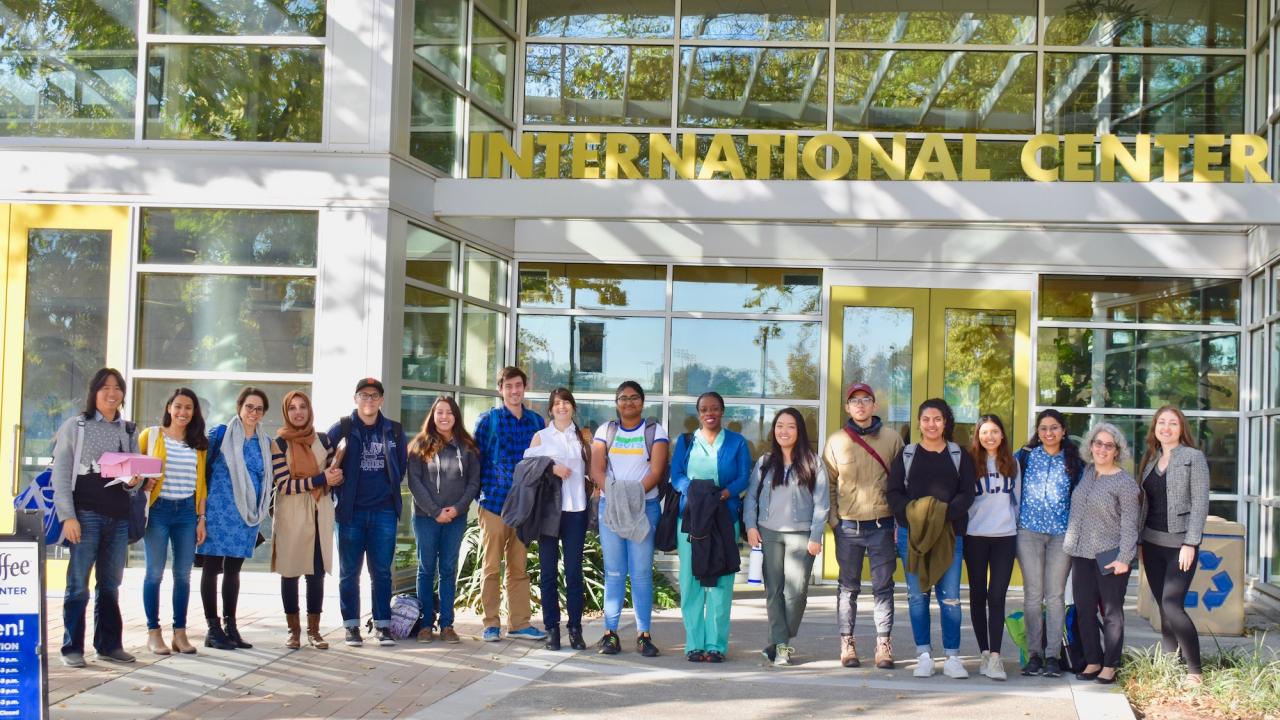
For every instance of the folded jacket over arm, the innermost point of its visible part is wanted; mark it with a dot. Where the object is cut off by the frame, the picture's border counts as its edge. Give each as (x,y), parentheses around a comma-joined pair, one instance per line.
(711,537)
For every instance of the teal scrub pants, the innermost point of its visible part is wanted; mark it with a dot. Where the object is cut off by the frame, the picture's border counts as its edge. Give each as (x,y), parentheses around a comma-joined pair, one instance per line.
(705,609)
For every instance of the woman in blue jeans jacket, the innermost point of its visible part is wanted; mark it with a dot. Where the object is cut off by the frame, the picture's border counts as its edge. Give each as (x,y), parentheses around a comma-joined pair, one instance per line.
(720,455)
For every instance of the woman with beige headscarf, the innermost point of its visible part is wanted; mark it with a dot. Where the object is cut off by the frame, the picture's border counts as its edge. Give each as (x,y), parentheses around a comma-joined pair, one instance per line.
(302,535)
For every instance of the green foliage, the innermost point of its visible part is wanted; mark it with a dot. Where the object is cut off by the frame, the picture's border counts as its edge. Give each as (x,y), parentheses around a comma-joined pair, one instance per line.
(1239,683)
(470,578)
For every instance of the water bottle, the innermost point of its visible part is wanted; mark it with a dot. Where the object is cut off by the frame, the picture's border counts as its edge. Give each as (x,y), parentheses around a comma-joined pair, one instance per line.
(755,568)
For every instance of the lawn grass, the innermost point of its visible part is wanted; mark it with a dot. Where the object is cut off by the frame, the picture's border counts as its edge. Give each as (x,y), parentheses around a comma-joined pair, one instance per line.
(1239,683)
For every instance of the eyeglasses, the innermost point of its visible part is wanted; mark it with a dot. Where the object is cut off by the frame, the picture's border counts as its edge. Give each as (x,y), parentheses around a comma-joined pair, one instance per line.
(255,409)
(1103,445)
(629,398)
(861,401)
(368,397)
(1049,429)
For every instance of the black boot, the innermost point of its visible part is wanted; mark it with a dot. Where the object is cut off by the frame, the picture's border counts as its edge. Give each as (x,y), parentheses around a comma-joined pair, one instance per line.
(575,639)
(216,638)
(553,638)
(233,634)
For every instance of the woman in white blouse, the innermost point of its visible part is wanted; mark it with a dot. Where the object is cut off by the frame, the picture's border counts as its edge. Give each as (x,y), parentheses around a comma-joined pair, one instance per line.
(565,442)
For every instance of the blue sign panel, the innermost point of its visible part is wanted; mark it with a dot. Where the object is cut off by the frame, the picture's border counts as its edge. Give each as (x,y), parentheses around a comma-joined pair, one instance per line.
(21,656)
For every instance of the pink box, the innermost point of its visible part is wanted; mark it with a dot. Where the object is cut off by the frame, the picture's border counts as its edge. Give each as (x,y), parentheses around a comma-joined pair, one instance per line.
(117,464)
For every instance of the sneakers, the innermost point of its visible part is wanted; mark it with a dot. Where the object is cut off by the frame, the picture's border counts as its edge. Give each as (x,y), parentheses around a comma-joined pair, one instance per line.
(529,633)
(1051,668)
(954,668)
(645,646)
(353,638)
(491,634)
(984,660)
(924,666)
(73,660)
(848,652)
(449,635)
(769,652)
(117,656)
(427,635)
(782,655)
(1034,666)
(610,644)
(384,637)
(993,668)
(884,653)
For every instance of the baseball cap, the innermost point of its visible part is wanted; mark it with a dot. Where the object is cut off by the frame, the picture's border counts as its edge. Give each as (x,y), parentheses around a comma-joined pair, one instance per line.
(373,383)
(857,388)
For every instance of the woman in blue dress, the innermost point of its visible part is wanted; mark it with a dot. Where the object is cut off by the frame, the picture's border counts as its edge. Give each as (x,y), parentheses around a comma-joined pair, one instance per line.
(238,502)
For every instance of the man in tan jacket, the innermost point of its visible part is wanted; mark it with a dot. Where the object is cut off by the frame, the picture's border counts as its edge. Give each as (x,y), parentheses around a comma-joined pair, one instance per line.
(857,459)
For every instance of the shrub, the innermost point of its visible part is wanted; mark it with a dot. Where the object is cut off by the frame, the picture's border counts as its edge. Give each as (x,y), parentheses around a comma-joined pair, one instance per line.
(1238,683)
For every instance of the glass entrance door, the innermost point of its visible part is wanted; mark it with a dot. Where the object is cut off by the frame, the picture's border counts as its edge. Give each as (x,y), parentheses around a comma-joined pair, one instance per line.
(969,347)
(65,287)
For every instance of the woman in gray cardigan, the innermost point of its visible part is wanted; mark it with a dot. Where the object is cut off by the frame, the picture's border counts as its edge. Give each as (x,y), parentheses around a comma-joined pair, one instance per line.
(1175,503)
(1102,540)
(785,514)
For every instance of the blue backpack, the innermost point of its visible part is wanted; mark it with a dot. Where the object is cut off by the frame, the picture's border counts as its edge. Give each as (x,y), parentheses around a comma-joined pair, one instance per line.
(38,495)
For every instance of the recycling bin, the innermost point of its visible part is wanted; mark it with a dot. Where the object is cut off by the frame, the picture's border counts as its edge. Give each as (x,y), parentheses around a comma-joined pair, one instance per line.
(1216,599)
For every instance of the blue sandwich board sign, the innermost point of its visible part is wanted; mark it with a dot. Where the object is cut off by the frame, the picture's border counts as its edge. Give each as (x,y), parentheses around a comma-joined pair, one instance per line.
(23,670)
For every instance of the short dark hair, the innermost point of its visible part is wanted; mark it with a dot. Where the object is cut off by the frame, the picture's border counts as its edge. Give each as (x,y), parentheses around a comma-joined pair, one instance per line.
(511,372)
(632,385)
(95,384)
(251,390)
(948,417)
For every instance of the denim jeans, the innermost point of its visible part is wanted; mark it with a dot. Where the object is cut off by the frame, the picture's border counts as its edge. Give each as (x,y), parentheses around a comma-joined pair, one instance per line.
(626,557)
(170,522)
(438,547)
(104,543)
(573,536)
(371,534)
(948,592)
(853,542)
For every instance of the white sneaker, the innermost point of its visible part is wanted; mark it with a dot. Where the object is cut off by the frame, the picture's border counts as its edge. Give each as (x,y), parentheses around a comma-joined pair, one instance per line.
(782,654)
(924,666)
(995,668)
(986,658)
(954,669)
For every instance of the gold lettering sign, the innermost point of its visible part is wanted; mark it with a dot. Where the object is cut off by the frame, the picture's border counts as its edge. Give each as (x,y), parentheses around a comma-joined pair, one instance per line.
(863,156)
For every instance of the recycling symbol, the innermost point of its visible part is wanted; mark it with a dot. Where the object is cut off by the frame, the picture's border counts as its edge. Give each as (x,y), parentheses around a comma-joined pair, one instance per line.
(1216,596)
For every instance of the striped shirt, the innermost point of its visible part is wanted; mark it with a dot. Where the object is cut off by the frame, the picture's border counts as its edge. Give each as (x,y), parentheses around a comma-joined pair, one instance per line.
(179,470)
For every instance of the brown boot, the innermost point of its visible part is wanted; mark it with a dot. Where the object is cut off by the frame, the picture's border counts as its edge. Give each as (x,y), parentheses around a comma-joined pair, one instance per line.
(155,642)
(314,638)
(849,652)
(180,642)
(884,653)
(295,631)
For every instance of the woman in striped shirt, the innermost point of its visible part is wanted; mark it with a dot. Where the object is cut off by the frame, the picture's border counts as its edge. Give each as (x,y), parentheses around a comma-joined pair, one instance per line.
(176,517)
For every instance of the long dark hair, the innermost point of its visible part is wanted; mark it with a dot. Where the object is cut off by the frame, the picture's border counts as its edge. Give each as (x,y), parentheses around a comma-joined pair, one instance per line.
(1005,463)
(948,417)
(1070,453)
(428,441)
(99,379)
(194,436)
(562,393)
(804,461)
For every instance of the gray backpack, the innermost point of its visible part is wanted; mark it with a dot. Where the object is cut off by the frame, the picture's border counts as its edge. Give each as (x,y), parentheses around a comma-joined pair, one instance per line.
(909,454)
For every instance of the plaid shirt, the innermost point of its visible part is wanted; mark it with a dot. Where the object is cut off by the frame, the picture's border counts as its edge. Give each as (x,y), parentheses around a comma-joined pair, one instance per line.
(502,439)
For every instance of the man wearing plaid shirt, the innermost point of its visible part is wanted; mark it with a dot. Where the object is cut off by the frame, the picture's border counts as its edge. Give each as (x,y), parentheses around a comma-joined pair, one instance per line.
(503,434)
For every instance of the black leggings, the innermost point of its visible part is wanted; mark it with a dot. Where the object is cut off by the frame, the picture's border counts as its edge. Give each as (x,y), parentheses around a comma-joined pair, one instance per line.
(986,597)
(230,569)
(1091,589)
(1169,585)
(315,587)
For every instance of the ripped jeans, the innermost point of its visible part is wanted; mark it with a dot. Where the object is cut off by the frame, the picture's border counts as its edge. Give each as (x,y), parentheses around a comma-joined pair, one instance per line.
(948,592)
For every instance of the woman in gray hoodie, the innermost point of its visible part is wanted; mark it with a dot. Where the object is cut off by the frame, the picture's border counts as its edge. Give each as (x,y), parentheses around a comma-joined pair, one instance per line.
(444,478)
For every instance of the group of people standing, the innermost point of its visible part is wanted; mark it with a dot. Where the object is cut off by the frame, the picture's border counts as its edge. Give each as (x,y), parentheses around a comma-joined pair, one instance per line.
(1057,508)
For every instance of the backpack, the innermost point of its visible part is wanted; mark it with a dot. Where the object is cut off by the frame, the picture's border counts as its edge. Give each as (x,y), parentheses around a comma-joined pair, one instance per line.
(909,453)
(406,616)
(38,495)
(650,437)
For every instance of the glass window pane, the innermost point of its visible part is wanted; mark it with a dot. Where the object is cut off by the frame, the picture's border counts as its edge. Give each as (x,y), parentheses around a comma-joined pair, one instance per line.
(1258,288)
(1273,488)
(217,400)
(1138,368)
(592,286)
(440,34)
(751,20)
(590,354)
(1257,369)
(1262,96)
(70,68)
(755,290)
(1217,438)
(1275,289)
(484,343)
(473,405)
(502,9)
(602,18)
(1275,365)
(492,63)
(1145,23)
(754,422)
(235,92)
(878,352)
(233,323)
(1255,458)
(435,123)
(932,91)
(427,346)
(414,405)
(484,276)
(1191,301)
(238,17)
(264,238)
(778,88)
(977,366)
(1011,22)
(594,413)
(1143,94)
(745,358)
(598,84)
(430,257)
(1225,509)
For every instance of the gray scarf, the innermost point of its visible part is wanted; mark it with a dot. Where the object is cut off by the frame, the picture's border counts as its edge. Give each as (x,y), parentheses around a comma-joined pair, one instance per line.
(241,483)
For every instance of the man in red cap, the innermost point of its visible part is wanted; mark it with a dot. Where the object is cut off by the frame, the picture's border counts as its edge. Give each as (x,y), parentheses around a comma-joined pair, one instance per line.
(857,458)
